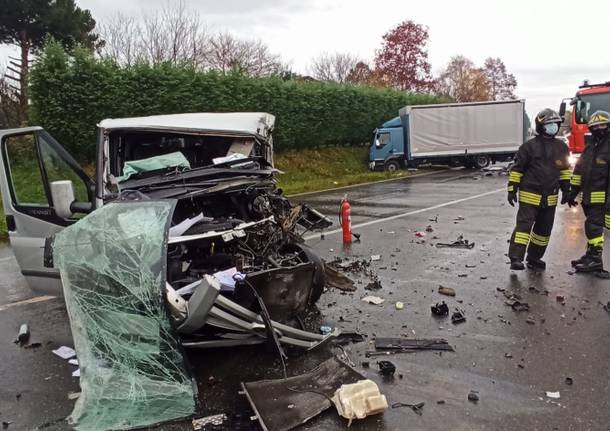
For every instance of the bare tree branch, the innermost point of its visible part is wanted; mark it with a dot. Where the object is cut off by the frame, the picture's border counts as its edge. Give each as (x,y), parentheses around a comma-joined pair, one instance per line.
(333,67)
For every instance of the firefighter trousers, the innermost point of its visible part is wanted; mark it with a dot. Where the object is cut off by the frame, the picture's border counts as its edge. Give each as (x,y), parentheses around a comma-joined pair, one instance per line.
(594,224)
(532,233)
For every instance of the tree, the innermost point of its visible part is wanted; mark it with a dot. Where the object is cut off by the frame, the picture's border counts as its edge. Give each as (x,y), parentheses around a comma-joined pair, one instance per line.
(251,57)
(27,23)
(403,58)
(362,74)
(462,81)
(10,113)
(333,67)
(502,84)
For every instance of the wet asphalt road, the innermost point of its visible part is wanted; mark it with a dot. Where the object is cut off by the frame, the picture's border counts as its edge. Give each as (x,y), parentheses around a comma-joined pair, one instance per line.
(510,362)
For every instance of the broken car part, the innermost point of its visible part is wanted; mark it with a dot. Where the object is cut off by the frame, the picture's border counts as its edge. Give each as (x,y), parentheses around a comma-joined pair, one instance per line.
(23,335)
(458,317)
(359,400)
(309,394)
(440,309)
(460,242)
(417,408)
(386,368)
(405,344)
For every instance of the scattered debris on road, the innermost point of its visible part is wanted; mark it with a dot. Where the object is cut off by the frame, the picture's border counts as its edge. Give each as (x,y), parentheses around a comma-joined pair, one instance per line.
(359,400)
(375,257)
(460,242)
(65,352)
(24,334)
(473,396)
(554,395)
(448,291)
(440,309)
(386,368)
(375,300)
(399,305)
(458,317)
(338,280)
(569,381)
(417,408)
(214,420)
(409,344)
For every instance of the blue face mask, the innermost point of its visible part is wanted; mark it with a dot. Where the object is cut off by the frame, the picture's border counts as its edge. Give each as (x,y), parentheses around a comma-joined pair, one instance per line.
(551,129)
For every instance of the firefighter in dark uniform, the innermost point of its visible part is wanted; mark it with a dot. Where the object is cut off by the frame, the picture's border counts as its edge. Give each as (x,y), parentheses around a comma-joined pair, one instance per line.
(590,178)
(541,168)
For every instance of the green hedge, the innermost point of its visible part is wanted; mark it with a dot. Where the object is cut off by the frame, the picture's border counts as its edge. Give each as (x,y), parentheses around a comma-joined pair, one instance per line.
(71,93)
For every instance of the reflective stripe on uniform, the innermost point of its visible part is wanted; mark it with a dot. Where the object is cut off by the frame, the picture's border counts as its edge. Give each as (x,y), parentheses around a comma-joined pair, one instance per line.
(607,221)
(511,188)
(565,174)
(540,240)
(530,198)
(552,200)
(598,197)
(522,238)
(598,241)
(515,177)
(576,180)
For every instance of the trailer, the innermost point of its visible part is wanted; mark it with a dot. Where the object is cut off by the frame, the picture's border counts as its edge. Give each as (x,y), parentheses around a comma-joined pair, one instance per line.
(469,134)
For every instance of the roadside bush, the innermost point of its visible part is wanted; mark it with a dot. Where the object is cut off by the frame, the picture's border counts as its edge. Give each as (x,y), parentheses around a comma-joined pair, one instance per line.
(71,93)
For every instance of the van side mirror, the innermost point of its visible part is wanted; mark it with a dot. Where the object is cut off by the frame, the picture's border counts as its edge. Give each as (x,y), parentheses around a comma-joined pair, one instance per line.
(64,204)
(562,109)
(377,143)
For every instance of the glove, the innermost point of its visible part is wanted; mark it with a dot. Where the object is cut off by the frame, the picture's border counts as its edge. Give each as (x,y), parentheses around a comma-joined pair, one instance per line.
(512,198)
(569,198)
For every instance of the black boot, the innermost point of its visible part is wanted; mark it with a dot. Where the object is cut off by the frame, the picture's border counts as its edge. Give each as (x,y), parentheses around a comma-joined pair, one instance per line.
(516,264)
(592,263)
(585,258)
(536,264)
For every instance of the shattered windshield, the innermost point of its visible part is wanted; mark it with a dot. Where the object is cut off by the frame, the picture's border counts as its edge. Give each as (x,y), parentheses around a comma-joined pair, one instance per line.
(112,266)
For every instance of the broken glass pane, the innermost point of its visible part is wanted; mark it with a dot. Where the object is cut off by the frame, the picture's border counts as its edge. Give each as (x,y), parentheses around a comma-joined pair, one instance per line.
(112,265)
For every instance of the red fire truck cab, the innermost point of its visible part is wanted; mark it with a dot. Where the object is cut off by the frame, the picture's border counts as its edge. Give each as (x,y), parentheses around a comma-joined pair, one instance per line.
(589,98)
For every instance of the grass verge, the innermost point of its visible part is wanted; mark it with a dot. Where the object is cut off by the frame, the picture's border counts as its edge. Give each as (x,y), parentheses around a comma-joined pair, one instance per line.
(313,170)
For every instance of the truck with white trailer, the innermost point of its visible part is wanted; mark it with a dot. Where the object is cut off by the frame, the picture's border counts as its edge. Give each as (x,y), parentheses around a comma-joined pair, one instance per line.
(469,134)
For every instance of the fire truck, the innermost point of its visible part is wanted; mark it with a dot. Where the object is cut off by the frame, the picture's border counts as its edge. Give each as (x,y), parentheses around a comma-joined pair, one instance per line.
(589,98)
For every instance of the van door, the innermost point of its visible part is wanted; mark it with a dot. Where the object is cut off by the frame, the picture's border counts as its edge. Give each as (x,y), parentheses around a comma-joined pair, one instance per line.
(31,161)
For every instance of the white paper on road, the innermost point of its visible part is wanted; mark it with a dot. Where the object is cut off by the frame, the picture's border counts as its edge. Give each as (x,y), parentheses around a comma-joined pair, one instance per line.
(554,395)
(76,373)
(73,361)
(65,352)
(376,300)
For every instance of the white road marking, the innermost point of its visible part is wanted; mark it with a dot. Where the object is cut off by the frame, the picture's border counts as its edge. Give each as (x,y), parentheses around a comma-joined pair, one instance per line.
(27,301)
(397,216)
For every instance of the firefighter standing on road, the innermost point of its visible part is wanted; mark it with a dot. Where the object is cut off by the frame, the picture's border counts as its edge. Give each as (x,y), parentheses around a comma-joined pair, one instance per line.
(591,178)
(541,168)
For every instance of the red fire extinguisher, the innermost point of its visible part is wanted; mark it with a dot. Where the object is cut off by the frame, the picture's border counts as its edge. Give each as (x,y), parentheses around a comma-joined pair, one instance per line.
(345,220)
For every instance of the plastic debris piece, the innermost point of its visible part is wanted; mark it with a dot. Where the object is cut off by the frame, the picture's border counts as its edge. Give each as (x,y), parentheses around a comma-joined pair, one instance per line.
(73,361)
(420,234)
(325,329)
(440,309)
(375,257)
(73,395)
(448,291)
(359,400)
(373,285)
(473,396)
(560,298)
(65,352)
(399,305)
(554,395)
(429,229)
(460,242)
(376,300)
(76,373)
(5,424)
(569,381)
(24,334)
(386,368)
(409,344)
(458,317)
(215,420)
(518,305)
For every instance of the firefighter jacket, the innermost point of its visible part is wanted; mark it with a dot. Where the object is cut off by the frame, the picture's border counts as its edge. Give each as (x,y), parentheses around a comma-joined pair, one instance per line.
(591,172)
(541,168)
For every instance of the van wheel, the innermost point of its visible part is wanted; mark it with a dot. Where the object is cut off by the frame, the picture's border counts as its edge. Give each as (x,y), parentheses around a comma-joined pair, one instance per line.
(481,162)
(392,166)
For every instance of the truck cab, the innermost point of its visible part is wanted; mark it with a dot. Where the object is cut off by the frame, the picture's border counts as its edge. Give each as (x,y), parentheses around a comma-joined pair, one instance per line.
(589,98)
(387,150)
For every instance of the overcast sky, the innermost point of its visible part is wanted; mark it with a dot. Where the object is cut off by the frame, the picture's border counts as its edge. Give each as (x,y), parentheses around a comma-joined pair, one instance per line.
(549,46)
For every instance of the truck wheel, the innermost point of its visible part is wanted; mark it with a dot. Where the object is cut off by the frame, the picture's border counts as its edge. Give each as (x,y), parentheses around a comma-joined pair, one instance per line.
(392,166)
(481,161)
